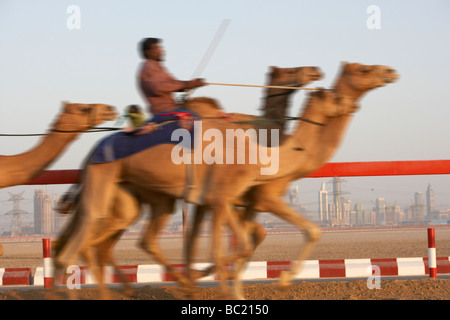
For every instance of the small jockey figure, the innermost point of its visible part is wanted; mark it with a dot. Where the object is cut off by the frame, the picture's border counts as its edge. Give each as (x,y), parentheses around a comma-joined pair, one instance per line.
(136,115)
(156,84)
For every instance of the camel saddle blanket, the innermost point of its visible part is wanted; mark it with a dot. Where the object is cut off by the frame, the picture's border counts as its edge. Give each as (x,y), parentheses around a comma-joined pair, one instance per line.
(123,144)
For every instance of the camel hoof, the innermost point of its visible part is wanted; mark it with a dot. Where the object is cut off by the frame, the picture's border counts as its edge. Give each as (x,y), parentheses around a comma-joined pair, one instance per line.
(238,296)
(185,282)
(130,292)
(285,279)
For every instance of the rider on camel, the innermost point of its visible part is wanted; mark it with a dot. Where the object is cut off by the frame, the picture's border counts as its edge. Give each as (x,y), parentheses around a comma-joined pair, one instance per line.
(157,85)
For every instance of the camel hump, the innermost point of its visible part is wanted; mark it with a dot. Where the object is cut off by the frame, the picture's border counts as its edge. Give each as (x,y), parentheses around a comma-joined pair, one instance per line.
(204,107)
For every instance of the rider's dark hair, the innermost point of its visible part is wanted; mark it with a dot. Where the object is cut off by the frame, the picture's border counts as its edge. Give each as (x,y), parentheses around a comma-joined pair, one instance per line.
(146,44)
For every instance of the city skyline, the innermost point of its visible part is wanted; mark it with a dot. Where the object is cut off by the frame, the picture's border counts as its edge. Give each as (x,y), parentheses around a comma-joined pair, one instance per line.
(341,210)
(306,196)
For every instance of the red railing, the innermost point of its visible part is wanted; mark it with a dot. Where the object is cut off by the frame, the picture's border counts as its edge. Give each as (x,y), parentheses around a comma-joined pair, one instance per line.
(338,169)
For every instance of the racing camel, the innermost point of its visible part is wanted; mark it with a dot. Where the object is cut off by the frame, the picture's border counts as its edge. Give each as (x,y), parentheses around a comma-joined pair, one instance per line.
(293,77)
(375,76)
(73,120)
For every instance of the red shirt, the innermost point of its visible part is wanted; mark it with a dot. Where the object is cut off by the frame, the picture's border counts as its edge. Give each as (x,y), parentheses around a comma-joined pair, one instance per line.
(157,85)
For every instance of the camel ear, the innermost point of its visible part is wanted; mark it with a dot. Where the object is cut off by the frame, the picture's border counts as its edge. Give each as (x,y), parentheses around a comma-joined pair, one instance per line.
(343,65)
(273,69)
(64,104)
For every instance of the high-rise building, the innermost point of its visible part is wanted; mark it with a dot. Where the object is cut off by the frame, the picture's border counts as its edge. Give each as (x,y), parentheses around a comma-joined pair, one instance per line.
(43,212)
(46,216)
(370,218)
(392,215)
(430,201)
(323,204)
(380,209)
(38,209)
(418,207)
(358,215)
(337,201)
(346,209)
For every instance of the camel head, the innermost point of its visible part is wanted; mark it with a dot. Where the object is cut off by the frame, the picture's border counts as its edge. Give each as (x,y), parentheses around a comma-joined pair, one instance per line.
(299,76)
(331,103)
(80,117)
(276,104)
(359,78)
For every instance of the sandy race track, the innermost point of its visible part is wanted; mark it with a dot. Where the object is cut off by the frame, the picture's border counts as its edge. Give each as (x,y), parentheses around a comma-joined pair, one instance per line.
(345,244)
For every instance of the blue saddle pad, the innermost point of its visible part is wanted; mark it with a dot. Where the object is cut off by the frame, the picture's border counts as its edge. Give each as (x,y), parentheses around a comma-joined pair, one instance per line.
(121,144)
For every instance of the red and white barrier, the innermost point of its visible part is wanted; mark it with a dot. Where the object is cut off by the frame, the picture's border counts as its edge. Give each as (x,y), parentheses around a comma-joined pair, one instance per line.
(312,269)
(15,276)
(256,270)
(432,253)
(47,262)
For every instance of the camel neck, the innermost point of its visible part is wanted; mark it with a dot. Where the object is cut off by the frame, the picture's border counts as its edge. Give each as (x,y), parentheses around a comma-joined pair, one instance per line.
(300,145)
(19,169)
(333,133)
(330,139)
(276,102)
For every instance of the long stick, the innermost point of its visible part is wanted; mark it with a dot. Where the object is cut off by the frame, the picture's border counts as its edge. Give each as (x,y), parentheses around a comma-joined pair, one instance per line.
(212,47)
(259,86)
(208,54)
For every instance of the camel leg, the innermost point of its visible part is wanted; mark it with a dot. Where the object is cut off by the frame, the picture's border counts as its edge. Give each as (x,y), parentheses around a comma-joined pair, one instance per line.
(60,276)
(60,267)
(257,233)
(125,211)
(97,194)
(255,230)
(218,256)
(224,215)
(96,270)
(161,211)
(104,256)
(108,231)
(282,210)
(191,247)
(95,198)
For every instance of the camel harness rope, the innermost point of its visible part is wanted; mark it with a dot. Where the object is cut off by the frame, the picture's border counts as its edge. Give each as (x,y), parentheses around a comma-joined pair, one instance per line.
(261,86)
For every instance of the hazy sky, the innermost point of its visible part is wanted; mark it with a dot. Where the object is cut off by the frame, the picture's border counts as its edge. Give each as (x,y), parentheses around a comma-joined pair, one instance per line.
(43,62)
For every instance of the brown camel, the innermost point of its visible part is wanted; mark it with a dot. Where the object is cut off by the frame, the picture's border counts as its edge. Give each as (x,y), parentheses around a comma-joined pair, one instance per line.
(354,81)
(135,170)
(322,102)
(295,77)
(74,119)
(288,148)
